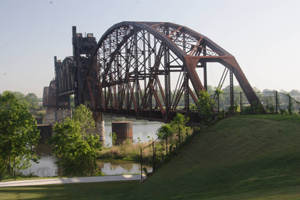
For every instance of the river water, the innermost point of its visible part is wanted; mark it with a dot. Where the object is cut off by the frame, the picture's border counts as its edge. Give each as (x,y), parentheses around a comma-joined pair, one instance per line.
(143,131)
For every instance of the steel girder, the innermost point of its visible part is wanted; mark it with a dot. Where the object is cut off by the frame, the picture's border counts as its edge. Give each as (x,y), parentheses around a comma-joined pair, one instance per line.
(64,76)
(64,81)
(131,67)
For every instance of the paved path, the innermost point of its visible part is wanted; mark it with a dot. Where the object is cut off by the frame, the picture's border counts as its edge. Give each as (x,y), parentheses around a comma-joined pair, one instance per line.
(70,180)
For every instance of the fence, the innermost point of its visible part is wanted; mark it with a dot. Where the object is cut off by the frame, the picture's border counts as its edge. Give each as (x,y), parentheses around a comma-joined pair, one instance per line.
(150,151)
(273,102)
(158,151)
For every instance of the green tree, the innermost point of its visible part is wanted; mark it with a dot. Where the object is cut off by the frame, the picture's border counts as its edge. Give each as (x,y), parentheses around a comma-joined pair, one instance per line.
(84,116)
(33,100)
(21,97)
(163,133)
(178,126)
(18,134)
(218,92)
(75,144)
(205,106)
(114,137)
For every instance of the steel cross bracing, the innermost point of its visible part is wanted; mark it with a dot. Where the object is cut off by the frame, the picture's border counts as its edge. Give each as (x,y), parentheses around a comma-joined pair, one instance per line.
(143,69)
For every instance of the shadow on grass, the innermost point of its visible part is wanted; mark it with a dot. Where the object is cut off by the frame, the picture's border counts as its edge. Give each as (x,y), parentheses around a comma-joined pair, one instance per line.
(108,190)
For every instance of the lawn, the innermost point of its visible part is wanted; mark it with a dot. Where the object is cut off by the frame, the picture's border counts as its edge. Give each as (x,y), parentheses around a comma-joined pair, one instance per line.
(237,158)
(84,191)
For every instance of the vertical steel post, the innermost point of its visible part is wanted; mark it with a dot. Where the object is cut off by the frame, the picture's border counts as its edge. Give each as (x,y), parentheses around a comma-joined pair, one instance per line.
(136,71)
(156,89)
(205,75)
(56,82)
(127,70)
(218,96)
(57,88)
(167,81)
(241,102)
(186,82)
(118,74)
(290,104)
(153,157)
(104,82)
(141,164)
(276,101)
(144,57)
(76,66)
(110,99)
(231,92)
(203,64)
(149,66)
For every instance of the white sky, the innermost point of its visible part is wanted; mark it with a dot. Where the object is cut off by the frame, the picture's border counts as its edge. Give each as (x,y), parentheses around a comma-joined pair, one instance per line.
(263,35)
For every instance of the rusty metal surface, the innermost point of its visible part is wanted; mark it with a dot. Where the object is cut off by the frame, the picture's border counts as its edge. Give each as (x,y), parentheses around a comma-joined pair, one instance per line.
(130,70)
(49,96)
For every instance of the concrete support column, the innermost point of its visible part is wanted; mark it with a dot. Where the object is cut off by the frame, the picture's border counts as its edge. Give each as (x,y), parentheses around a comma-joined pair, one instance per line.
(99,127)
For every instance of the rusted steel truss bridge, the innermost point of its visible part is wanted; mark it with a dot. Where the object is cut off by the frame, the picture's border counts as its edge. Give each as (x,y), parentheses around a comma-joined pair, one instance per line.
(141,70)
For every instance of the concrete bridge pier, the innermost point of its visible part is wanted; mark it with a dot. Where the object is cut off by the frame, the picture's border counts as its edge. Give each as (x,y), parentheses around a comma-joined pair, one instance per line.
(100,128)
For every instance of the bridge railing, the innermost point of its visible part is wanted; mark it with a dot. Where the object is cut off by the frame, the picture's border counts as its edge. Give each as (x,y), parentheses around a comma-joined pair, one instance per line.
(273,102)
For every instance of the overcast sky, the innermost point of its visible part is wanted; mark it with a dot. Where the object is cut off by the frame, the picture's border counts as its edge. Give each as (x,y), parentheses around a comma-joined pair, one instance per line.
(263,35)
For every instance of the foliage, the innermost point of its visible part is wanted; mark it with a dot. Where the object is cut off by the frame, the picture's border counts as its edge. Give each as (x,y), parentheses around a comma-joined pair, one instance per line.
(128,151)
(173,135)
(84,117)
(205,106)
(218,92)
(18,134)
(254,108)
(75,144)
(2,168)
(163,133)
(114,137)
(178,127)
(290,105)
(269,104)
(30,100)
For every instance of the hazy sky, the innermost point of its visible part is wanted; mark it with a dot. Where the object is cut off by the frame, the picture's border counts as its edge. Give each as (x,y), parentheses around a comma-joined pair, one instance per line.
(263,35)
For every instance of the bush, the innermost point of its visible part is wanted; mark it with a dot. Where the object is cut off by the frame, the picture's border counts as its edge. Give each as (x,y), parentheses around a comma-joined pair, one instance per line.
(75,145)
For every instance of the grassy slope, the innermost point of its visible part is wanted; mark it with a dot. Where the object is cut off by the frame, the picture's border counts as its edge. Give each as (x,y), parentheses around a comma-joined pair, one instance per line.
(238,158)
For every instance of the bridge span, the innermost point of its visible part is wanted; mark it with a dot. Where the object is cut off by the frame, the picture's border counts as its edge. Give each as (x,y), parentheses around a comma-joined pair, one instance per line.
(141,70)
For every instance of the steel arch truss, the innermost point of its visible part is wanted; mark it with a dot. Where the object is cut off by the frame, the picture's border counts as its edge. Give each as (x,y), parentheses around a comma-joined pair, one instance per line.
(64,79)
(133,66)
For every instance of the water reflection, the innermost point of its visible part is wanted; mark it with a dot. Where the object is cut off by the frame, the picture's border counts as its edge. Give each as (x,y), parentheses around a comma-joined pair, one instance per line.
(46,167)
(143,131)
(122,168)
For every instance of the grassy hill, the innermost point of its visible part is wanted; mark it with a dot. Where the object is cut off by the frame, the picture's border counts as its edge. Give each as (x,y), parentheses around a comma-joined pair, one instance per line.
(241,157)
(238,158)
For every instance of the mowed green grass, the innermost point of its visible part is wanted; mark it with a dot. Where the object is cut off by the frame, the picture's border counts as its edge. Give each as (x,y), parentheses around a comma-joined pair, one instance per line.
(237,158)
(87,191)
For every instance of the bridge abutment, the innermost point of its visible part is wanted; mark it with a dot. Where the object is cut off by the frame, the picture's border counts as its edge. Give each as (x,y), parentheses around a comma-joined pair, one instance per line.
(99,126)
